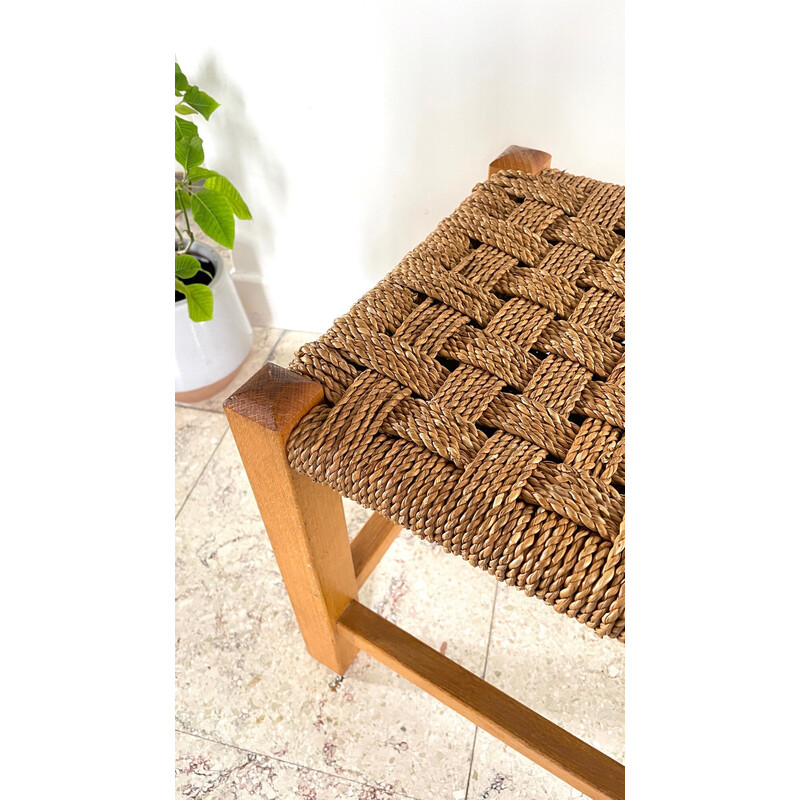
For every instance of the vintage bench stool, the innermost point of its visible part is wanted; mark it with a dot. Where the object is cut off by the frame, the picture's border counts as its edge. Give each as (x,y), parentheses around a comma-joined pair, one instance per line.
(475,396)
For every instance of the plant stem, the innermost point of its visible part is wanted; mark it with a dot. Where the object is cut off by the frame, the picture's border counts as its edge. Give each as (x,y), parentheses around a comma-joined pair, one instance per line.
(186,217)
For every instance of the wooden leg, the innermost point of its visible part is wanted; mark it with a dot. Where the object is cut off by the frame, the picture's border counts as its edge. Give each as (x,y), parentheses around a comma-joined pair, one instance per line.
(557,750)
(304,520)
(371,544)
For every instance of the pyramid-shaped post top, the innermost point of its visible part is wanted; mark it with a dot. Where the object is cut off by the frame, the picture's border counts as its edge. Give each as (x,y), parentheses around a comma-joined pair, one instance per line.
(275,398)
(521,158)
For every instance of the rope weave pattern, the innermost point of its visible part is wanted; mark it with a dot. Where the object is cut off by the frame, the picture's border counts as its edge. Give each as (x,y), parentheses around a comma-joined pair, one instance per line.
(476,394)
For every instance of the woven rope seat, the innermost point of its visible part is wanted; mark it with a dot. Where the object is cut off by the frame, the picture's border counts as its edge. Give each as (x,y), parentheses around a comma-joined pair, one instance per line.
(476,395)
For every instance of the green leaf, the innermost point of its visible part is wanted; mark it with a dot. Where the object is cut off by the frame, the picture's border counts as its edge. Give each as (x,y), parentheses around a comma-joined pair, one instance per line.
(196,174)
(185,129)
(181,82)
(221,184)
(184,109)
(186,267)
(189,152)
(186,199)
(200,101)
(200,173)
(213,213)
(200,300)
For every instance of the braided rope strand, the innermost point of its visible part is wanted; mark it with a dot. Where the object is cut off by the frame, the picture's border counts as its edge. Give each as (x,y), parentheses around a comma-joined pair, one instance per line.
(476,395)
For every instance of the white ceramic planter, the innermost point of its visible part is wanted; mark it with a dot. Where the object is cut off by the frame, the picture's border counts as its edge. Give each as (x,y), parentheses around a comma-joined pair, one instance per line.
(208,354)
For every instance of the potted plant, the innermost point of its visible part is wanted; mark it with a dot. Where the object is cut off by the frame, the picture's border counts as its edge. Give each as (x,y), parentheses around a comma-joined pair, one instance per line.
(213,336)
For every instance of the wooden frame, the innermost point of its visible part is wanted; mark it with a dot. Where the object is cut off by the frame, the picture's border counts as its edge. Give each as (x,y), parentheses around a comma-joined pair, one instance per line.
(323,572)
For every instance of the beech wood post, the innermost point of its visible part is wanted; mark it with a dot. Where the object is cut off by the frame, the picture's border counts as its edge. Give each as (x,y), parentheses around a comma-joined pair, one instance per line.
(522,158)
(305,520)
(558,751)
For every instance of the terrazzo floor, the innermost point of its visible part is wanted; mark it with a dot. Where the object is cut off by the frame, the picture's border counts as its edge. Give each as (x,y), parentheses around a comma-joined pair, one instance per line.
(257,717)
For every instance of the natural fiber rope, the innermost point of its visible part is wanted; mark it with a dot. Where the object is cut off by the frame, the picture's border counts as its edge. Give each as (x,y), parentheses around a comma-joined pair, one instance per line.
(476,394)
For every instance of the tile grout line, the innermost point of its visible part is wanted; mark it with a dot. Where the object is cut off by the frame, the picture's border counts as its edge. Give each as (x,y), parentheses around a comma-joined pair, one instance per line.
(197,408)
(211,411)
(283,332)
(202,472)
(389,792)
(272,349)
(483,677)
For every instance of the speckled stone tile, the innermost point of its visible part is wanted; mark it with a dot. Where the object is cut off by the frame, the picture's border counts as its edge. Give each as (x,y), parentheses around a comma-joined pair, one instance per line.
(435,596)
(288,344)
(264,340)
(561,670)
(207,770)
(245,678)
(197,434)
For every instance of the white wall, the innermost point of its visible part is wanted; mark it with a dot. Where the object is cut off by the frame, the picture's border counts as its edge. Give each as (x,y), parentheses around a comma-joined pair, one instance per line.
(352,128)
